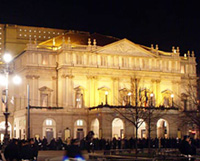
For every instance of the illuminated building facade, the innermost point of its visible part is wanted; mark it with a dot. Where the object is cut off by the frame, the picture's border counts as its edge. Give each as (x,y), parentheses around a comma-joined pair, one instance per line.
(74,69)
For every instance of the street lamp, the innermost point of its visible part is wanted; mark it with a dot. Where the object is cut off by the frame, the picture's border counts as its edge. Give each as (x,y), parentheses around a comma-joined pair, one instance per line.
(172,96)
(4,80)
(106,94)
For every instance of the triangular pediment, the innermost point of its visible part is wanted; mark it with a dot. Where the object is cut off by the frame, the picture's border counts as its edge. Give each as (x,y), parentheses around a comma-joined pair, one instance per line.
(125,47)
(104,88)
(167,91)
(45,89)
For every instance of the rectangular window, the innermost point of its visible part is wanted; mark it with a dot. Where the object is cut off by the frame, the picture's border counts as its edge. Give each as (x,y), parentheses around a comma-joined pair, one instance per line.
(79,122)
(45,60)
(44,99)
(79,59)
(182,69)
(49,122)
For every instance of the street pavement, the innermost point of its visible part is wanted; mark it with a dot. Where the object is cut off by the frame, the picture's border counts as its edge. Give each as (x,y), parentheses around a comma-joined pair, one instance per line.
(55,155)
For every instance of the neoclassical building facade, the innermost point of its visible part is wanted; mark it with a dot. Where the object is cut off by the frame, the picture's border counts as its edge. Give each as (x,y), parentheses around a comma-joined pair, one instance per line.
(75,70)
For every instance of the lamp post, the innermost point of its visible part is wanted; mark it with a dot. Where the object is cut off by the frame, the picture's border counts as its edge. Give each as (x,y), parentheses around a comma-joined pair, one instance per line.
(172,96)
(129,98)
(16,79)
(106,94)
(28,111)
(149,129)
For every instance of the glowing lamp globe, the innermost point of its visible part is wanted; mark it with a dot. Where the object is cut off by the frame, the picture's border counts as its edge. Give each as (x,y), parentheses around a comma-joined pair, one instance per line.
(7,57)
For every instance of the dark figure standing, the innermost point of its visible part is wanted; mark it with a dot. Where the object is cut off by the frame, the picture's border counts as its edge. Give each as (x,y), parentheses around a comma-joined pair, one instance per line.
(26,151)
(89,139)
(34,148)
(44,143)
(11,152)
(73,150)
(186,146)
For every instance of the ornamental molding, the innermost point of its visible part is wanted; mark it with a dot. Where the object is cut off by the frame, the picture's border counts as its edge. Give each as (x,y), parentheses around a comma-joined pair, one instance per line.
(45,89)
(125,47)
(32,76)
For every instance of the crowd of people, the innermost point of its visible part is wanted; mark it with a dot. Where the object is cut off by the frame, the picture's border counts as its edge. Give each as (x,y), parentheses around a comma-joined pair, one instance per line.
(23,149)
(18,150)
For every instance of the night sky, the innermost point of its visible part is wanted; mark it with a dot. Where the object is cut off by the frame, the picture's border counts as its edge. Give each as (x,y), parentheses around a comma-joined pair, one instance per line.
(164,22)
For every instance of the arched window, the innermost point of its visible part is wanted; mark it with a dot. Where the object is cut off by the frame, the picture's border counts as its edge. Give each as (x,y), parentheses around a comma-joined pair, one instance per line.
(80,129)
(117,128)
(2,129)
(162,129)
(49,129)
(95,127)
(142,129)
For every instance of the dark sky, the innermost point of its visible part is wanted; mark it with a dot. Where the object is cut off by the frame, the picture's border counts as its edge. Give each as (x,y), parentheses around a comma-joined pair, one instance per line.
(164,22)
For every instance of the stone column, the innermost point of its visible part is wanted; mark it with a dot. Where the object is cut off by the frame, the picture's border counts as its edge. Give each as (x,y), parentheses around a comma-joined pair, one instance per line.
(158,93)
(54,93)
(95,79)
(64,88)
(115,90)
(36,94)
(176,89)
(70,86)
(153,81)
(89,82)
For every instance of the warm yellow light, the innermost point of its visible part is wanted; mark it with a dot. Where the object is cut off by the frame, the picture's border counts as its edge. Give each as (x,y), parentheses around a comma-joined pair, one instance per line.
(7,57)
(151,95)
(106,92)
(129,94)
(17,79)
(172,95)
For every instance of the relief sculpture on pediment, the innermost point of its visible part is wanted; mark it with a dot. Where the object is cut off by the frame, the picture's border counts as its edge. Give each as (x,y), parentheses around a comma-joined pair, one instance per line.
(123,48)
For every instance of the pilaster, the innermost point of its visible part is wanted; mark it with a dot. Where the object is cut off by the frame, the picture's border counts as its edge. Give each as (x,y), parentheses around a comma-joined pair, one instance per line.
(158,93)
(115,90)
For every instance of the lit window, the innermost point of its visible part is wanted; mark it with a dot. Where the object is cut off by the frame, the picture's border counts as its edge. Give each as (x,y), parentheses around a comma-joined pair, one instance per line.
(25,30)
(0,28)
(39,31)
(58,33)
(0,33)
(20,34)
(182,69)
(53,32)
(20,29)
(25,35)
(34,35)
(49,37)
(0,48)
(49,122)
(29,30)
(49,32)
(79,122)
(34,30)
(44,36)
(29,35)
(0,38)
(39,36)
(44,31)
